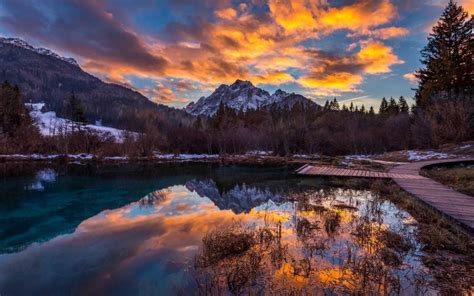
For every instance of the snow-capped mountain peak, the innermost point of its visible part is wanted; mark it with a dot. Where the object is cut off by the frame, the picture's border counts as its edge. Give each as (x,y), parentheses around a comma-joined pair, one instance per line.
(241,95)
(42,51)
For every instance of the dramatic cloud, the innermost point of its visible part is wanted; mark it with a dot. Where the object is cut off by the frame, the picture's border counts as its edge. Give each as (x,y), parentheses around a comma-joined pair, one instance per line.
(377,58)
(186,48)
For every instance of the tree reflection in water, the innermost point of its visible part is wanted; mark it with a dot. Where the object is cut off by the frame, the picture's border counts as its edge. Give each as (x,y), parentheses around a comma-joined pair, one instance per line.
(328,246)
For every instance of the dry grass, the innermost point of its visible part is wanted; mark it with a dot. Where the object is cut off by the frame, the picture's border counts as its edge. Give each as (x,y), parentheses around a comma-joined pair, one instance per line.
(233,257)
(228,242)
(449,249)
(459,178)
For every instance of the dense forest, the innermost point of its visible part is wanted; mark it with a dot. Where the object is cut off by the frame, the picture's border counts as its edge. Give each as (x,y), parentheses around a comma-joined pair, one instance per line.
(443,113)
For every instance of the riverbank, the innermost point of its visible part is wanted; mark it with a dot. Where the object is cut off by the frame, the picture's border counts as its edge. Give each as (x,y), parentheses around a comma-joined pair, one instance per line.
(378,162)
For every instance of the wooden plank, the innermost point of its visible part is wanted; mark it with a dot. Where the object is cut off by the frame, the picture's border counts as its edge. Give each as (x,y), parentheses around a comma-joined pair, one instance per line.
(454,204)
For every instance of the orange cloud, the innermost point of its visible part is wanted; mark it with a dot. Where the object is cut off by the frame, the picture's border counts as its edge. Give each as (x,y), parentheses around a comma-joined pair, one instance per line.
(343,81)
(262,47)
(274,78)
(377,57)
(295,15)
(361,15)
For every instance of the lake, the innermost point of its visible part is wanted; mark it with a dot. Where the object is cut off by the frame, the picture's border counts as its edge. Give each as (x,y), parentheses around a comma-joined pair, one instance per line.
(200,229)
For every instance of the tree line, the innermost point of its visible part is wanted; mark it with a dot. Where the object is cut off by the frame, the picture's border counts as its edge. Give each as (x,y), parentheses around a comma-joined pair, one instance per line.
(443,113)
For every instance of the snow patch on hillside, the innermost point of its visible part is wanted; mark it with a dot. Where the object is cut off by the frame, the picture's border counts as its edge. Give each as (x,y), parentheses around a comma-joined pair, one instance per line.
(51,125)
(42,51)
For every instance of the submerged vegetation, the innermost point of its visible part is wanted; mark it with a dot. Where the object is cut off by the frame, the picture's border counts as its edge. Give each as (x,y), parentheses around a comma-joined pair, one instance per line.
(449,248)
(348,247)
(227,229)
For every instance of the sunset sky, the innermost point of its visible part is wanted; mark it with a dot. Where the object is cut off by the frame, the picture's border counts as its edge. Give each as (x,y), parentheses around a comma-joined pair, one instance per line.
(174,51)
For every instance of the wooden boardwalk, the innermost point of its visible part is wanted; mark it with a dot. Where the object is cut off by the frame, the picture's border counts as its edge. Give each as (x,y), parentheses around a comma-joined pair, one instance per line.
(448,201)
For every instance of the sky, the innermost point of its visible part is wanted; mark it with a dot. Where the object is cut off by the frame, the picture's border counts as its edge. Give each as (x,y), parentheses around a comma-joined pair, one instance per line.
(175,51)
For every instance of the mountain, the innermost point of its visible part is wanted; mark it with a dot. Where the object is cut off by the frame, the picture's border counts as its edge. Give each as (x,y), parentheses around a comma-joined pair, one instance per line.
(43,51)
(243,95)
(239,199)
(44,76)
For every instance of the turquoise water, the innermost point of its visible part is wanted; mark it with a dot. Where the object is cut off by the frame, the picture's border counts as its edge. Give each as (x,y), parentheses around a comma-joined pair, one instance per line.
(50,201)
(136,229)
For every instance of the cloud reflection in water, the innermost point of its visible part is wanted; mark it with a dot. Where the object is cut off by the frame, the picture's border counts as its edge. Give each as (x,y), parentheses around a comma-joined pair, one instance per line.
(150,245)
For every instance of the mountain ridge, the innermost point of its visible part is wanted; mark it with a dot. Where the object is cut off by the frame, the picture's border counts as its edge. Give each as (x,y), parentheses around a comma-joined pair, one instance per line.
(44,76)
(243,95)
(40,50)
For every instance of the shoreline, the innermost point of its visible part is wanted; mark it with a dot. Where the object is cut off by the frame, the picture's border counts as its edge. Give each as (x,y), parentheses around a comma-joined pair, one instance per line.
(187,158)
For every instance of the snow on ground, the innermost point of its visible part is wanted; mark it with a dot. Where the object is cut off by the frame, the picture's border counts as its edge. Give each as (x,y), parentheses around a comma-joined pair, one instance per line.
(414,155)
(82,156)
(411,155)
(359,157)
(30,156)
(307,156)
(185,156)
(258,153)
(50,125)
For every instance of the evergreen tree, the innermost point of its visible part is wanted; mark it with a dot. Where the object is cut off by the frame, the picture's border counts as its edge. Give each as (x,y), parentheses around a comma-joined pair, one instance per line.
(327,106)
(362,108)
(403,105)
(13,113)
(371,110)
(393,107)
(356,109)
(351,107)
(448,58)
(344,108)
(76,110)
(383,106)
(334,105)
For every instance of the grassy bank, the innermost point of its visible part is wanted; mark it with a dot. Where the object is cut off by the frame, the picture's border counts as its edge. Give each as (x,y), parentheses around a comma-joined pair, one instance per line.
(460,178)
(449,247)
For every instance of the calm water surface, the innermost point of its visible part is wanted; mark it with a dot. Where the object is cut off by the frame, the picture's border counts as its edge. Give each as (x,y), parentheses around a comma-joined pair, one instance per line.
(200,229)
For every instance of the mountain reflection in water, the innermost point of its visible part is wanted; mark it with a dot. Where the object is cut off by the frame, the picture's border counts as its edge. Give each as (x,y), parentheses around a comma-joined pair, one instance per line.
(300,240)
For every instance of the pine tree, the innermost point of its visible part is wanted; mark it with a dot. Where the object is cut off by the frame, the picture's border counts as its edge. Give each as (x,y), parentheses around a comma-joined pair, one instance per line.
(344,108)
(403,105)
(383,106)
(393,107)
(448,58)
(13,113)
(362,108)
(76,111)
(351,107)
(334,105)
(371,110)
(327,106)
